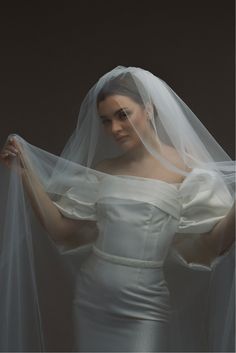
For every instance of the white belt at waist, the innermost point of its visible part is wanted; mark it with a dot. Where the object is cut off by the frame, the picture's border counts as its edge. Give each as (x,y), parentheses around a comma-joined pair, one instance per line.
(126,260)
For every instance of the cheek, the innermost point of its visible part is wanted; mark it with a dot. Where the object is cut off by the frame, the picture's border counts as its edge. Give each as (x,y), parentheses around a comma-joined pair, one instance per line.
(106,129)
(138,122)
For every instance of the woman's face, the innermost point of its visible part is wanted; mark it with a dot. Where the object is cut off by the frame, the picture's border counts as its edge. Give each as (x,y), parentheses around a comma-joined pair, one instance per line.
(118,114)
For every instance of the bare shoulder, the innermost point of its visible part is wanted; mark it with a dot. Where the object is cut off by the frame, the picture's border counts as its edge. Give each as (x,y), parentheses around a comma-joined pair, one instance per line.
(174,157)
(105,166)
(118,165)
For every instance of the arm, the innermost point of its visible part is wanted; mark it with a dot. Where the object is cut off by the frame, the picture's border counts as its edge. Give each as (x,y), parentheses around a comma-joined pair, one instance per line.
(222,236)
(203,248)
(58,226)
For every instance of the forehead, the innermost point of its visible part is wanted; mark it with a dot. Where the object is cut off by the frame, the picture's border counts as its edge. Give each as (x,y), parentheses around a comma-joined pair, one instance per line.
(111,103)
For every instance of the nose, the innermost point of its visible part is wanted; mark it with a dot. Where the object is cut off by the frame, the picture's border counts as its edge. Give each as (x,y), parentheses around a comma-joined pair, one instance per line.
(115,127)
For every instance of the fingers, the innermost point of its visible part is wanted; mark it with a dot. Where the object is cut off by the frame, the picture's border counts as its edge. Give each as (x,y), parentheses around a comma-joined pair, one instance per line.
(16,145)
(9,151)
(9,154)
(13,142)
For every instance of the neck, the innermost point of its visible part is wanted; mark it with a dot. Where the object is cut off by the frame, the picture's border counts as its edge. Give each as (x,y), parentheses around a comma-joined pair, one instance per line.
(139,153)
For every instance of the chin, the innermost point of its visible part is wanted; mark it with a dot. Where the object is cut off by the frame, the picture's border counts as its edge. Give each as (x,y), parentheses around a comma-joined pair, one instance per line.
(128,146)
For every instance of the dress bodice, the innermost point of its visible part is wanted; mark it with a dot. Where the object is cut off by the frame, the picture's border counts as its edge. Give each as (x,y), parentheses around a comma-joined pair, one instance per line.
(136,219)
(122,277)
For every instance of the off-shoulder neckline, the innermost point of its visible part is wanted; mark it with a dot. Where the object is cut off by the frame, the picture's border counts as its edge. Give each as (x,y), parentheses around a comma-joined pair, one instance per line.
(154,180)
(163,182)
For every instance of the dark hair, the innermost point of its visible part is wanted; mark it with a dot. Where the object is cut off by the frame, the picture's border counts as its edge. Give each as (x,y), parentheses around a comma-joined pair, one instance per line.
(122,85)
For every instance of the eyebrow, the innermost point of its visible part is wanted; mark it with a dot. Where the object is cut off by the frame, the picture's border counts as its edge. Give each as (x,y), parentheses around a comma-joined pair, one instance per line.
(115,113)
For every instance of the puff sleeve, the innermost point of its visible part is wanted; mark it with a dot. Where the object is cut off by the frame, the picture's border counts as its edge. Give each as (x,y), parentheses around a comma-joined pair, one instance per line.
(205,200)
(79,200)
(201,285)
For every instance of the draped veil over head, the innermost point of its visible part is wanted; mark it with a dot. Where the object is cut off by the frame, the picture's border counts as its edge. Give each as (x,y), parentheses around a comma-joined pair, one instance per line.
(37,274)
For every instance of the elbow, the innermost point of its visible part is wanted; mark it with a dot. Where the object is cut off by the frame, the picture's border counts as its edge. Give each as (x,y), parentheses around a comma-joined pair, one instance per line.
(222,236)
(56,228)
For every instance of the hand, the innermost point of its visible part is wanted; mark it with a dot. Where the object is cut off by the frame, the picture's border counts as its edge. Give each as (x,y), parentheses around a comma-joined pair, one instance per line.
(10,151)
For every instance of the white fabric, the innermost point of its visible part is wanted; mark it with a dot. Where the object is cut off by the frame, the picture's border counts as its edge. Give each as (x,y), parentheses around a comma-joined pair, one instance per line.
(205,202)
(184,213)
(205,205)
(133,215)
(138,230)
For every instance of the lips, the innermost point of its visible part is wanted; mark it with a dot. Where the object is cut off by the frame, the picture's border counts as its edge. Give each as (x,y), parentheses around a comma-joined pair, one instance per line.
(120,138)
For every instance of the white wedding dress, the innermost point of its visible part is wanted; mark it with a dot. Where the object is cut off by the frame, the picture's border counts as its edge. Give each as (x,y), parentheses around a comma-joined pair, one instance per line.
(145,280)
(122,300)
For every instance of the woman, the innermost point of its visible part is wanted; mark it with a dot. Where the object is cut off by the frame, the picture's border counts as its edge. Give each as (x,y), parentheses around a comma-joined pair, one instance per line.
(150,192)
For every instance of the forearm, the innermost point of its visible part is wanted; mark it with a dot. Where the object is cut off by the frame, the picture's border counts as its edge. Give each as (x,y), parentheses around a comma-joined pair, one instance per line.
(59,227)
(46,212)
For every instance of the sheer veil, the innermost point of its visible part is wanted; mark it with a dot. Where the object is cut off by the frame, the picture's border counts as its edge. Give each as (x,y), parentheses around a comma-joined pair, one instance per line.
(37,274)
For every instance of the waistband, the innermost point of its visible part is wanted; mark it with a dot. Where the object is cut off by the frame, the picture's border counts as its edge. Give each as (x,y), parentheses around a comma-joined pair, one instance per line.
(126,261)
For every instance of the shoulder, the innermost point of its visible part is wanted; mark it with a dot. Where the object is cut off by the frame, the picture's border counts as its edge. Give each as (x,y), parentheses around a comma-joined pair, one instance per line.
(110,166)
(174,157)
(105,166)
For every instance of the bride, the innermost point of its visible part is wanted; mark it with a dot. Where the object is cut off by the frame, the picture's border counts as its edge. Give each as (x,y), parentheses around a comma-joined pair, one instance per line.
(140,217)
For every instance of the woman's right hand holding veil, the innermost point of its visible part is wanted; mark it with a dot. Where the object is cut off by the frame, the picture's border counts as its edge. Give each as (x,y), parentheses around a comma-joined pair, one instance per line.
(60,228)
(11,150)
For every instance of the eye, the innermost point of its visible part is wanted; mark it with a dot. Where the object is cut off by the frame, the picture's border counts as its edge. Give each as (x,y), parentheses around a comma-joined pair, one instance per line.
(123,115)
(106,121)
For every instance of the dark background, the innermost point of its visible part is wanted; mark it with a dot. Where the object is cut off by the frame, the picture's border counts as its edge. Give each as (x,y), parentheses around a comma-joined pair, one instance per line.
(52,53)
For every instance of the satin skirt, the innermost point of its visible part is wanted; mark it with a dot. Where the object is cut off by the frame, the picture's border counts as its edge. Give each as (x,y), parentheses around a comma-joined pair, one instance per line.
(120,307)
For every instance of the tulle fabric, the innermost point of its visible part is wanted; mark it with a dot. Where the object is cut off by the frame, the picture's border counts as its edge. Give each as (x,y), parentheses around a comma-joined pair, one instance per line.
(37,275)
